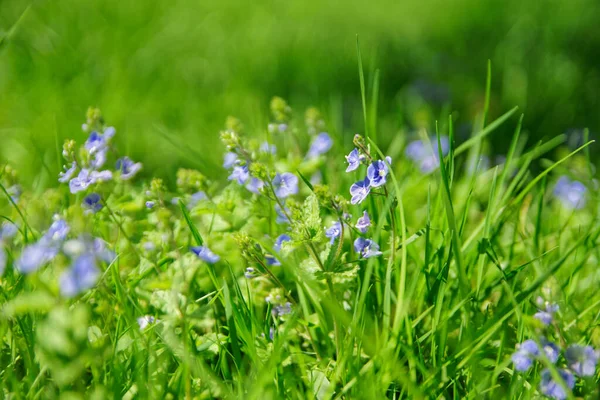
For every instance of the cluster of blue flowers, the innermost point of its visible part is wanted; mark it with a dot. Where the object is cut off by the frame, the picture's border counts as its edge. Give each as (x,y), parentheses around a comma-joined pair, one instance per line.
(85,167)
(580,360)
(45,249)
(377,172)
(84,253)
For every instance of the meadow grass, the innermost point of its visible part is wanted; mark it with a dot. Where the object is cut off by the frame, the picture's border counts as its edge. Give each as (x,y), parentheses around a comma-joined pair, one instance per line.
(185,292)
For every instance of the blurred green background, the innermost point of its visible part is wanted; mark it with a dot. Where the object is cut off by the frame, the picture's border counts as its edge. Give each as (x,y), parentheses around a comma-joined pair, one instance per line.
(176,69)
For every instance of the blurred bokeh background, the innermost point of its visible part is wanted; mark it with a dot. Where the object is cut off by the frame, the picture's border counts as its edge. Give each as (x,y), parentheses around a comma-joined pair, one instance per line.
(167,73)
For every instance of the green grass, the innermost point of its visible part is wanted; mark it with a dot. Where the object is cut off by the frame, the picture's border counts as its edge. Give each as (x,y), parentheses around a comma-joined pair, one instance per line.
(438,315)
(467,248)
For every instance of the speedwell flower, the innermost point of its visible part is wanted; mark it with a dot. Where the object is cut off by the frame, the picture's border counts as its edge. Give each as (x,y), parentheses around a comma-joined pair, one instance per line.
(546,314)
(128,168)
(527,352)
(377,172)
(205,254)
(254,185)
(240,174)
(360,190)
(320,145)
(230,159)
(92,203)
(354,159)
(67,174)
(279,241)
(334,231)
(366,247)
(363,222)
(582,359)
(285,184)
(82,275)
(145,321)
(86,178)
(553,389)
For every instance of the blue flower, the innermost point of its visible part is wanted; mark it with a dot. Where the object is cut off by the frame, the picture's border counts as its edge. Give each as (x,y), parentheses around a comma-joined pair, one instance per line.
(127,168)
(82,275)
(109,132)
(527,352)
(546,315)
(150,204)
(363,222)
(425,155)
(205,254)
(81,182)
(86,178)
(572,194)
(98,248)
(8,231)
(92,203)
(320,145)
(553,389)
(254,185)
(98,158)
(334,231)
(230,160)
(101,176)
(58,231)
(145,321)
(354,159)
(551,350)
(91,246)
(366,247)
(360,190)
(268,148)
(282,217)
(279,241)
(282,309)
(240,174)
(196,198)
(95,142)
(377,172)
(285,185)
(272,260)
(34,256)
(250,273)
(582,360)
(67,173)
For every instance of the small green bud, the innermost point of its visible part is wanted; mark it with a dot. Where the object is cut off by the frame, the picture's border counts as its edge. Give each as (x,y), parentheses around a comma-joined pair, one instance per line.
(94,118)
(259,170)
(190,180)
(68,151)
(230,139)
(234,124)
(280,110)
(157,186)
(313,120)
